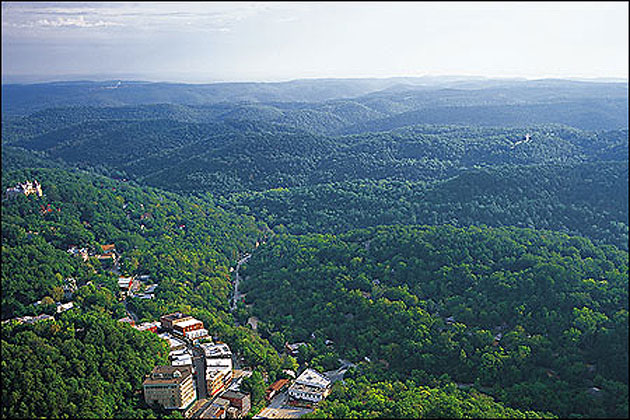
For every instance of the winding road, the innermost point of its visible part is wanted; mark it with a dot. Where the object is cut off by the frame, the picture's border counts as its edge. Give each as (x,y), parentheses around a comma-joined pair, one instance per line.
(236,294)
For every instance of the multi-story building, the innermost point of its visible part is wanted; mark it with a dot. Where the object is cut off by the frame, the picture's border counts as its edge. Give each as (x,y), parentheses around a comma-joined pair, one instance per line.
(238,400)
(170,387)
(217,379)
(311,386)
(218,366)
(191,328)
(169,320)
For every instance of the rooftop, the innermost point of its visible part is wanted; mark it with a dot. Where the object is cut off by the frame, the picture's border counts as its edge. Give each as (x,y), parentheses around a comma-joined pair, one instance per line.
(312,378)
(168,375)
(187,323)
(234,394)
(276,386)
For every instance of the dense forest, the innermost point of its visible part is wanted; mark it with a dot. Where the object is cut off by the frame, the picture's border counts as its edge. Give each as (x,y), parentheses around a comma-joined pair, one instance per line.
(462,243)
(429,301)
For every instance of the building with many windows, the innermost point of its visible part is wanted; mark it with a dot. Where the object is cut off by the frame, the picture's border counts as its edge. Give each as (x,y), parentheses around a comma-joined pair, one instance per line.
(170,387)
(311,386)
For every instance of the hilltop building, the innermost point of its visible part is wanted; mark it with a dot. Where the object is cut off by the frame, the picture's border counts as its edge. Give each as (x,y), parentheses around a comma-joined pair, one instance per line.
(170,387)
(26,188)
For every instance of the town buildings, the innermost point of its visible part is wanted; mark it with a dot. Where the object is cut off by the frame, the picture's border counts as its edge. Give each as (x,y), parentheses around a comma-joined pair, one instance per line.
(311,386)
(170,387)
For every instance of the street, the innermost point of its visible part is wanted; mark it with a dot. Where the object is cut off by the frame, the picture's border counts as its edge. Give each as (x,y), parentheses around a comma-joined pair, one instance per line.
(237,295)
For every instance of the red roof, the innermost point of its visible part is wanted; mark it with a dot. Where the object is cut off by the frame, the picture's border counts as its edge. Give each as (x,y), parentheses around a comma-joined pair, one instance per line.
(109,247)
(276,386)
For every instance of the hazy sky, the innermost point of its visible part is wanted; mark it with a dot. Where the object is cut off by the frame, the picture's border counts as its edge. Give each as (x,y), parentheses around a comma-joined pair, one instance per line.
(205,42)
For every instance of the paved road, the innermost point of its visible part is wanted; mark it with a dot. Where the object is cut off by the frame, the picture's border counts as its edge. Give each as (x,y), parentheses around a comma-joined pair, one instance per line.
(337,375)
(236,296)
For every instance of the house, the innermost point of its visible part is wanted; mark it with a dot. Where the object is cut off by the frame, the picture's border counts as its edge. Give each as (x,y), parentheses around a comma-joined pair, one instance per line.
(109,253)
(62,307)
(292,349)
(275,387)
(170,387)
(108,249)
(311,387)
(238,400)
(69,287)
(125,283)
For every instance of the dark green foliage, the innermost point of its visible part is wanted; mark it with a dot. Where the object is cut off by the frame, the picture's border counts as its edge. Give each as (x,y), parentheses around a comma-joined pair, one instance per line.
(84,365)
(589,199)
(358,398)
(387,293)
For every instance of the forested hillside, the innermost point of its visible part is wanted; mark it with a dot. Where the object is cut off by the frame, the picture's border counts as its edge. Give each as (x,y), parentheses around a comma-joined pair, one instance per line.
(517,313)
(588,199)
(185,244)
(460,245)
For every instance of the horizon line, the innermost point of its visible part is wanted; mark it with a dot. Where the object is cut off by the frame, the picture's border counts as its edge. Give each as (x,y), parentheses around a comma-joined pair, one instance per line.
(94,78)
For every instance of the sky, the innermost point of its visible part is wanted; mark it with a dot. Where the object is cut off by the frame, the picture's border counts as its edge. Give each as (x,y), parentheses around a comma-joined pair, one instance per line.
(203,42)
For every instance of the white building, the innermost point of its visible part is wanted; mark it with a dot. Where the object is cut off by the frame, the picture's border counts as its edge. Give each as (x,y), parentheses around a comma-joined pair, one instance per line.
(310,386)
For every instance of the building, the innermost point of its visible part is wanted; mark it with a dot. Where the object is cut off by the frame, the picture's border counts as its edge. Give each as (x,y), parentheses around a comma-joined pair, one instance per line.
(62,307)
(240,401)
(218,366)
(217,378)
(181,357)
(169,320)
(293,349)
(128,320)
(311,386)
(170,387)
(173,342)
(275,387)
(79,252)
(26,188)
(191,329)
(148,326)
(125,283)
(217,410)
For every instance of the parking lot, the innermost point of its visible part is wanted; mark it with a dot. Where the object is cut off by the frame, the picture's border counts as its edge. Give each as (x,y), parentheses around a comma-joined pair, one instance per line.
(278,409)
